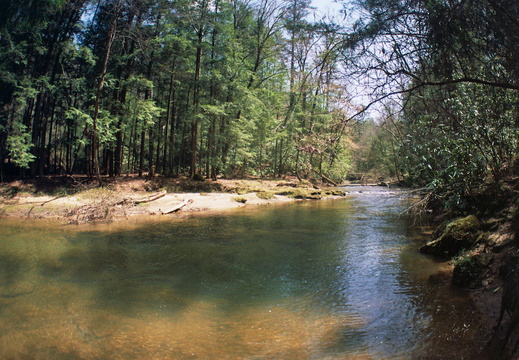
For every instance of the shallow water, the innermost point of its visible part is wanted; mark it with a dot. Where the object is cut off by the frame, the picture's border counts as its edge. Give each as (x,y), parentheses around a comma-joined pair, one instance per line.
(312,280)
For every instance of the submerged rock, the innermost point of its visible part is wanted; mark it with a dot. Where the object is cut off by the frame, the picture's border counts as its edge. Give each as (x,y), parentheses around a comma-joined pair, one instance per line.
(452,237)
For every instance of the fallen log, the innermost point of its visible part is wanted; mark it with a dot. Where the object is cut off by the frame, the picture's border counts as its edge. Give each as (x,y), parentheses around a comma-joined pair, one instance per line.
(48,201)
(43,203)
(150,198)
(328,180)
(325,178)
(177,207)
(39,202)
(141,200)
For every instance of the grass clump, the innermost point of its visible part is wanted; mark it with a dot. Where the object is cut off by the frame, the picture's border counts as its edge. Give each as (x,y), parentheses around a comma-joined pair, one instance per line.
(265,195)
(240,199)
(241,191)
(301,193)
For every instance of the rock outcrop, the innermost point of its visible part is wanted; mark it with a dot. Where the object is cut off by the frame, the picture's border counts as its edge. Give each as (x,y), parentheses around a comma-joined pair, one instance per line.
(452,237)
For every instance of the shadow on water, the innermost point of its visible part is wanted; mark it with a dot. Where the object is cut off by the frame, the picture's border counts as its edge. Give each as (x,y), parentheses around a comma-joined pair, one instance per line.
(313,280)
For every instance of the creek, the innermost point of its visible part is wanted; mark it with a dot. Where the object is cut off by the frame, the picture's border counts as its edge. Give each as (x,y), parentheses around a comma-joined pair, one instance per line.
(334,279)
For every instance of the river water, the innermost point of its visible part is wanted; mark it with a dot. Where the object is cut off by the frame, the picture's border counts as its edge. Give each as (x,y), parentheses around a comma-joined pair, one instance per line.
(335,279)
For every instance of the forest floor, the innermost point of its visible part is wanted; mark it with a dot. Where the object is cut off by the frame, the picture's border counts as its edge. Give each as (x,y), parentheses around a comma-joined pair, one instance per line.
(77,200)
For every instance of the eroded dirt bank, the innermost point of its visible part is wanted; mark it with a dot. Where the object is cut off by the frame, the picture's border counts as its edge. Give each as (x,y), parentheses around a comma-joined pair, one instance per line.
(487,261)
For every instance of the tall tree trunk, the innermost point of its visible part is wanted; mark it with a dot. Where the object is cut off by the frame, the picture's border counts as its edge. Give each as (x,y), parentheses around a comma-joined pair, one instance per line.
(196,103)
(166,165)
(95,137)
(141,154)
(118,156)
(49,147)
(149,95)
(151,151)
(37,121)
(132,153)
(211,141)
(158,153)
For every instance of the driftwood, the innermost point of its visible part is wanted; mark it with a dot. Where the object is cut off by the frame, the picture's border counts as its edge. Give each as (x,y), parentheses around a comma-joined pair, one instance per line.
(142,200)
(43,203)
(328,180)
(89,212)
(178,207)
(150,198)
(39,202)
(48,201)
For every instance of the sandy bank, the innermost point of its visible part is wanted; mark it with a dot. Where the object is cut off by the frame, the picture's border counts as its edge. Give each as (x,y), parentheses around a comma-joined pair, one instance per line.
(128,198)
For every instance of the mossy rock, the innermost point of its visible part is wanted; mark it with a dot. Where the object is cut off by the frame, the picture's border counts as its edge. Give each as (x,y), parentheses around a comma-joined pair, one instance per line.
(452,237)
(468,270)
(335,192)
(306,194)
(284,192)
(240,199)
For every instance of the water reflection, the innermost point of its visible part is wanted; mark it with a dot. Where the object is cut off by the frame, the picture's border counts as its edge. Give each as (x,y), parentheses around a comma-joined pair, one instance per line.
(316,280)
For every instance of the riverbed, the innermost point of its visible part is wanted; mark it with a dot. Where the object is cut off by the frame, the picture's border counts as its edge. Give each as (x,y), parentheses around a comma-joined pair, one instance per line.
(335,279)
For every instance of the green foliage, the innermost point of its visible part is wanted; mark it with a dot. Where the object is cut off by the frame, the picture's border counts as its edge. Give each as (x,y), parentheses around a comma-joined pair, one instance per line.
(452,63)
(19,146)
(146,112)
(466,140)
(375,152)
(340,167)
(233,88)
(78,115)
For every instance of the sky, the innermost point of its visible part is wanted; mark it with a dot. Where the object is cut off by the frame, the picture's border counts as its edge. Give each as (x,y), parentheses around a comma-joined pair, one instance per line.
(325,7)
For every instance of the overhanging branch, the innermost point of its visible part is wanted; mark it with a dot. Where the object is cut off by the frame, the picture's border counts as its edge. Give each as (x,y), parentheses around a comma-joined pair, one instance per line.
(507,86)
(421,84)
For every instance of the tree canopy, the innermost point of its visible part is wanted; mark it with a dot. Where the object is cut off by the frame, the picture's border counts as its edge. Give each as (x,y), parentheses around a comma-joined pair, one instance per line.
(450,67)
(234,87)
(209,87)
